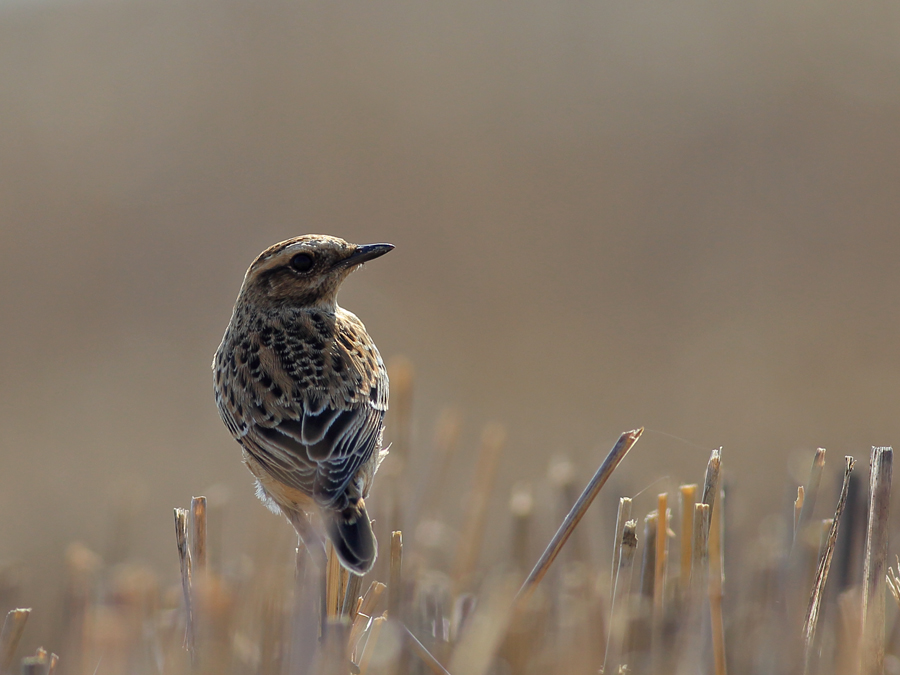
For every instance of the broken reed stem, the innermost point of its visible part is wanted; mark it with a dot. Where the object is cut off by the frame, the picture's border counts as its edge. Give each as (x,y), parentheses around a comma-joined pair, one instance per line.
(648,561)
(492,441)
(893,582)
(33,665)
(360,624)
(367,606)
(618,611)
(13,627)
(798,508)
(716,583)
(184,555)
(561,476)
(810,493)
(370,599)
(521,506)
(39,664)
(333,587)
(351,595)
(801,561)
(197,538)
(366,656)
(396,579)
(711,481)
(617,454)
(700,552)
(622,517)
(40,658)
(815,599)
(873,595)
(823,538)
(688,499)
(659,582)
(695,642)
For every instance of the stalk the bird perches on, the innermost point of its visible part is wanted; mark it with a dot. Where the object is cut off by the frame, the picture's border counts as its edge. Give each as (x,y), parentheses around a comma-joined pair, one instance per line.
(303,389)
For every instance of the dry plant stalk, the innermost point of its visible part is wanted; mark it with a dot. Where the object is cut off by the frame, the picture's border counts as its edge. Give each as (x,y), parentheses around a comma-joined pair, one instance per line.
(700,554)
(659,575)
(369,649)
(873,596)
(693,642)
(33,665)
(688,499)
(521,507)
(711,482)
(184,555)
(334,584)
(351,596)
(197,537)
(618,611)
(716,583)
(798,508)
(561,476)
(39,664)
(893,582)
(366,608)
(823,538)
(493,439)
(622,517)
(395,587)
(810,494)
(815,600)
(617,454)
(648,562)
(13,627)
(429,499)
(370,599)
(357,630)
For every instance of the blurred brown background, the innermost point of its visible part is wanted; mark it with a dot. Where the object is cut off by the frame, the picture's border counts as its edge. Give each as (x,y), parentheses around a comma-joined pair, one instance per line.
(607,214)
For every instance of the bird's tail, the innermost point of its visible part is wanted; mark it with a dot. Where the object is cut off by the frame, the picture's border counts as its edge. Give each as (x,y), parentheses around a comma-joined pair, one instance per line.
(351,534)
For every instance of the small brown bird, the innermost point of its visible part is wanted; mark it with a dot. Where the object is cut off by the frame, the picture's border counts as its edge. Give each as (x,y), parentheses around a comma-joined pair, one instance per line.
(303,389)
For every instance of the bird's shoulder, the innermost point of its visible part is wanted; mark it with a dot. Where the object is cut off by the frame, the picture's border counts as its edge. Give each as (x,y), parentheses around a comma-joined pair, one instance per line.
(359,351)
(287,365)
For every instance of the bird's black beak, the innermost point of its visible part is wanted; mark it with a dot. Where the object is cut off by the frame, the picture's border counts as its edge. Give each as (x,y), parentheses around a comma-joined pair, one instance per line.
(363,254)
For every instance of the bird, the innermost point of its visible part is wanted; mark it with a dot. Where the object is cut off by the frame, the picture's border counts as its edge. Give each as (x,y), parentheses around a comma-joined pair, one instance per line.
(303,389)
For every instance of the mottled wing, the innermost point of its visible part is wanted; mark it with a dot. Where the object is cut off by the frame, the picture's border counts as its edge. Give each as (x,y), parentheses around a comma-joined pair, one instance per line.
(315,406)
(335,456)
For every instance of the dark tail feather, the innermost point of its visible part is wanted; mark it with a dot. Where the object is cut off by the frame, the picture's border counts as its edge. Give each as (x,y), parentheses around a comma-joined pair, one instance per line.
(354,541)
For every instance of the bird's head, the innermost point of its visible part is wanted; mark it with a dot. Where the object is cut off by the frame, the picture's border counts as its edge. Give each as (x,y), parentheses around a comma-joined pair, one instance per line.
(305,271)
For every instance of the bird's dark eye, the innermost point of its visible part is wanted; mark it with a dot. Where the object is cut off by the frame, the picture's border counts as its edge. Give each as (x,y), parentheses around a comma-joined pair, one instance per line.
(302,262)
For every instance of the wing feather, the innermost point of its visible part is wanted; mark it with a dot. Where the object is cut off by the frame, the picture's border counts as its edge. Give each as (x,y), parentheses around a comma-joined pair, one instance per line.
(312,438)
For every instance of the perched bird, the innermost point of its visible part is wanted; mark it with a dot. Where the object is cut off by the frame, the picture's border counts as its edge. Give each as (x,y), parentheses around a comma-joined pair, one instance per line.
(303,389)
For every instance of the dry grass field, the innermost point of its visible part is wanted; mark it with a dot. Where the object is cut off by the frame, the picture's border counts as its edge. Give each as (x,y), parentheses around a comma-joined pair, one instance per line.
(608,215)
